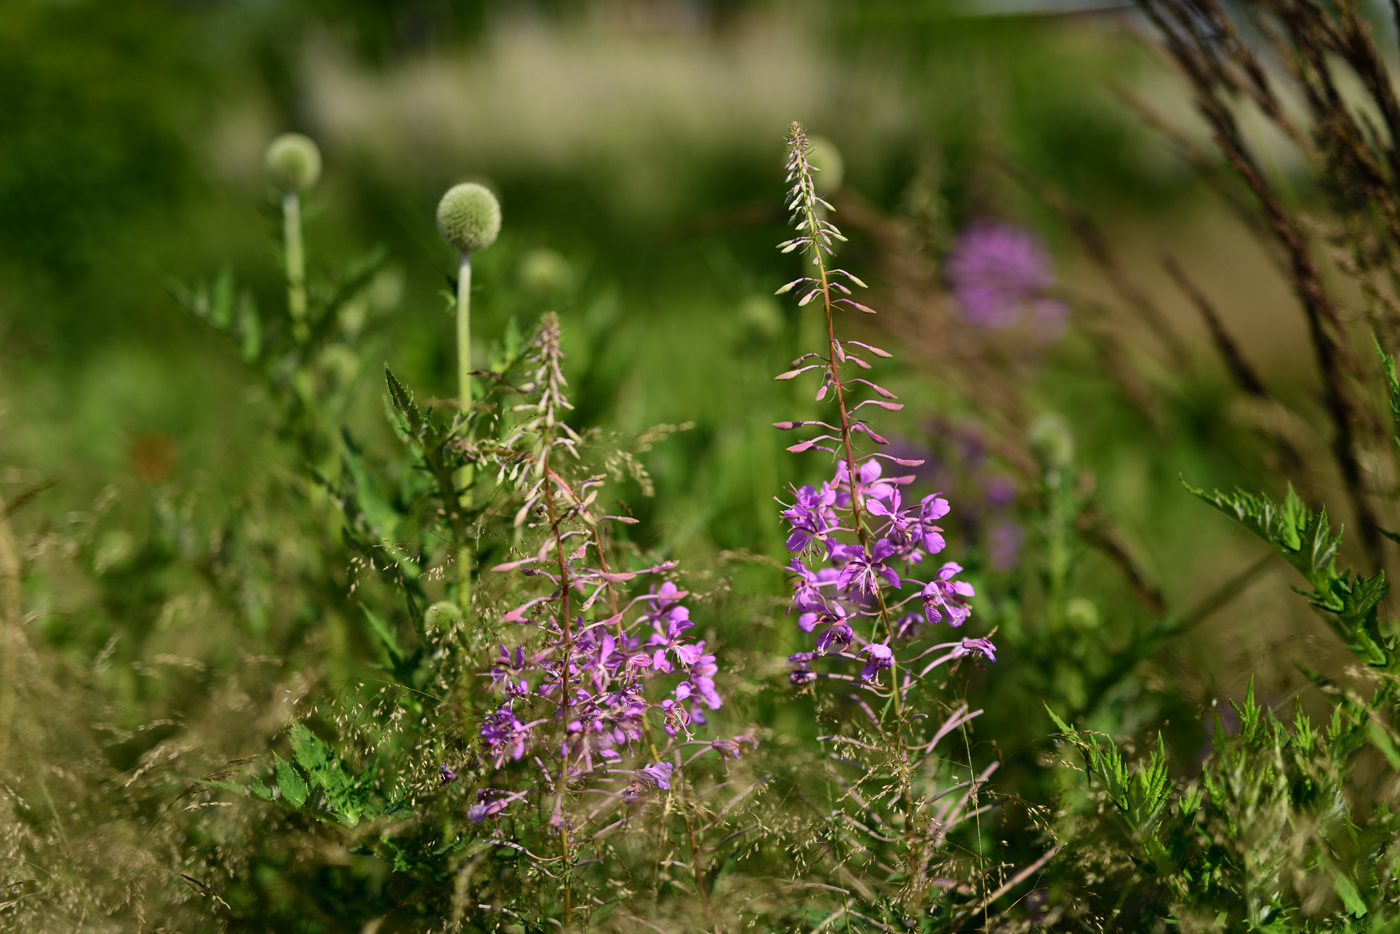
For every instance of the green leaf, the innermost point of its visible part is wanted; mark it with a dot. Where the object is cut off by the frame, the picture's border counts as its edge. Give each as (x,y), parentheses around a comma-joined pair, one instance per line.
(1063,727)
(1392,383)
(1303,538)
(221,300)
(403,401)
(1379,738)
(249,330)
(385,632)
(1346,891)
(290,782)
(322,767)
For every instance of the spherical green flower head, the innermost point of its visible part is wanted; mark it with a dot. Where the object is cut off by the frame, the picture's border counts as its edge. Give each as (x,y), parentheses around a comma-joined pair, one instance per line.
(1052,441)
(293,162)
(831,168)
(469,217)
(545,272)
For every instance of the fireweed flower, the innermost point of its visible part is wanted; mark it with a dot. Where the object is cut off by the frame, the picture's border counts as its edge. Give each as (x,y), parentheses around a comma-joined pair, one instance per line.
(597,682)
(878,657)
(999,274)
(857,538)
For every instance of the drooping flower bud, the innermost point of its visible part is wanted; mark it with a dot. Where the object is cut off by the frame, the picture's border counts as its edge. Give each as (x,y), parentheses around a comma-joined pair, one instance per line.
(293,162)
(469,217)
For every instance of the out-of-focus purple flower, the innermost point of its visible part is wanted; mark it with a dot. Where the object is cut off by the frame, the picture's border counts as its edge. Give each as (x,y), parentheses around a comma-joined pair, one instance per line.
(998,273)
(907,626)
(799,674)
(1000,490)
(657,775)
(1004,544)
(946,597)
(446,774)
(734,746)
(489,803)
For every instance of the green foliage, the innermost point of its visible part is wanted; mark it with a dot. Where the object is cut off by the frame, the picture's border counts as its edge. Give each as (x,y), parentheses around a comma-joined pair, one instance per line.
(1349,602)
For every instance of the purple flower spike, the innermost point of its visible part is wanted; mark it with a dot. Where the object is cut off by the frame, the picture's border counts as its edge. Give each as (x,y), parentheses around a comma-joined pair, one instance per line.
(860,539)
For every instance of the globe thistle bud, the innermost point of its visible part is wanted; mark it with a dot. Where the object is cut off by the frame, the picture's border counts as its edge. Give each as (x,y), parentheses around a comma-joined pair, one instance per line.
(1052,441)
(545,272)
(831,168)
(1081,613)
(293,162)
(469,217)
(442,616)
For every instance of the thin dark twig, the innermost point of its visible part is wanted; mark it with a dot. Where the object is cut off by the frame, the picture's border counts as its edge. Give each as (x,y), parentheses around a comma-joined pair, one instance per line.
(1097,530)
(1225,344)
(1180,23)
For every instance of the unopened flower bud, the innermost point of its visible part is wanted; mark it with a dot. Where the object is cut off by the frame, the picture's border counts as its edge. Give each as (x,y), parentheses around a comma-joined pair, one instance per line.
(1051,441)
(469,217)
(1081,613)
(442,616)
(293,162)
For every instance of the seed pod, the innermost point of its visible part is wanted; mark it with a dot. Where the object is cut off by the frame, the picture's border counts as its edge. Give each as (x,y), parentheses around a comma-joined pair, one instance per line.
(293,162)
(469,217)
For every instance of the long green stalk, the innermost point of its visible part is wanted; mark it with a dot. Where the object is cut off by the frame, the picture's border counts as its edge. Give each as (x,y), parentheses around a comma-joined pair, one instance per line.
(464,390)
(296,264)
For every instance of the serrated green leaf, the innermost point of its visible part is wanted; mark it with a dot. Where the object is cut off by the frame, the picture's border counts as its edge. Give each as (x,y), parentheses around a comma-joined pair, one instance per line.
(1392,383)
(403,401)
(290,782)
(1060,724)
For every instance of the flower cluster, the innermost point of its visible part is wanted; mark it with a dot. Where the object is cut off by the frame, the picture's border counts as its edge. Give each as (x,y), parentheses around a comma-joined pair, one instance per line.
(595,668)
(605,672)
(857,542)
